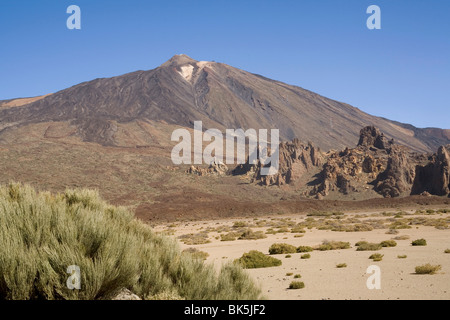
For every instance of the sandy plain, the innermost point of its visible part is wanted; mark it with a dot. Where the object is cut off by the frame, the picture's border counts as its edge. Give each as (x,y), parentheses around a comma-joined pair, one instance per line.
(322,279)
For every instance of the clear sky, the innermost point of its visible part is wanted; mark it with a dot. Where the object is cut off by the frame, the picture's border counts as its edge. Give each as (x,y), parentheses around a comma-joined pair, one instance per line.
(401,72)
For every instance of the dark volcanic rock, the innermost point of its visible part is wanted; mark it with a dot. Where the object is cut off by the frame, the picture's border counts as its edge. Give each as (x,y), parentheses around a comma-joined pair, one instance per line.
(398,176)
(434,177)
(371,136)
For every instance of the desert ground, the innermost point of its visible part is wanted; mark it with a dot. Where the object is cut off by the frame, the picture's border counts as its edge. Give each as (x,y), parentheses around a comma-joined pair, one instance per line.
(320,274)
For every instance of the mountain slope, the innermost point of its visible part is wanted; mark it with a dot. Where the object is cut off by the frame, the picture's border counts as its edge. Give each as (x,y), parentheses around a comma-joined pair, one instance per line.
(184,90)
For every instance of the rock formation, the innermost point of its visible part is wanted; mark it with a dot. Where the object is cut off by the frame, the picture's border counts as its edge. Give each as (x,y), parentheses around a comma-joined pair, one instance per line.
(372,137)
(398,176)
(296,159)
(434,177)
(215,168)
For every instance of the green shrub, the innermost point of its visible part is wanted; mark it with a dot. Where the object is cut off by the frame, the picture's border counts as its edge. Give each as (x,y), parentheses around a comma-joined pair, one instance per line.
(392,231)
(230,236)
(288,256)
(399,225)
(298,229)
(195,239)
(447,251)
(341,265)
(41,234)
(404,256)
(256,259)
(195,253)
(376,257)
(249,234)
(419,242)
(333,245)
(297,276)
(305,256)
(289,274)
(427,269)
(367,246)
(304,249)
(296,285)
(280,248)
(239,224)
(388,243)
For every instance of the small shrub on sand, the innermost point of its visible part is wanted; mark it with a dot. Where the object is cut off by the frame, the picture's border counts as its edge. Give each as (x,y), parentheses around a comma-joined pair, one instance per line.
(230,236)
(333,245)
(194,239)
(427,269)
(239,224)
(419,242)
(376,257)
(256,259)
(368,246)
(403,237)
(399,225)
(305,256)
(297,276)
(392,231)
(288,256)
(249,234)
(298,229)
(447,251)
(402,256)
(341,265)
(296,285)
(289,274)
(388,243)
(280,248)
(304,249)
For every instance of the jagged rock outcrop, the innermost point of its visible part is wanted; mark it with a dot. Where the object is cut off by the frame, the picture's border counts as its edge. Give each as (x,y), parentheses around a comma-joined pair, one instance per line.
(376,163)
(398,176)
(372,137)
(434,177)
(296,159)
(215,168)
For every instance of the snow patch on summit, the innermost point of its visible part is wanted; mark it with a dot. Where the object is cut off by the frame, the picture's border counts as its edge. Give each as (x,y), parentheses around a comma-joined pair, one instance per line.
(186,72)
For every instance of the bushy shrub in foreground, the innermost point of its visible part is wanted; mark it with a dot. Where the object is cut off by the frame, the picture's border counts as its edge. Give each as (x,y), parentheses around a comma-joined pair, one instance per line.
(41,234)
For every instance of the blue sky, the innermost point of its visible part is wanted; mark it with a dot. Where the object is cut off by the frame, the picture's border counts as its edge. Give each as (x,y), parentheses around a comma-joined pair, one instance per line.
(401,72)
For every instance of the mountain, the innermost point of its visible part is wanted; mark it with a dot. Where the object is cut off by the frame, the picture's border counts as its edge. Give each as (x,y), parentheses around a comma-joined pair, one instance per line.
(183,90)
